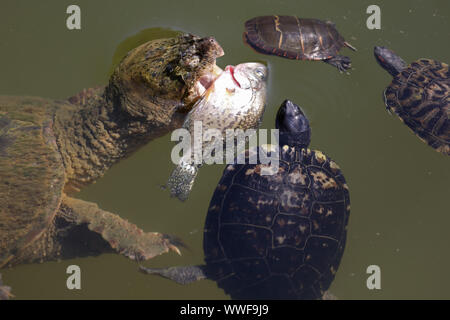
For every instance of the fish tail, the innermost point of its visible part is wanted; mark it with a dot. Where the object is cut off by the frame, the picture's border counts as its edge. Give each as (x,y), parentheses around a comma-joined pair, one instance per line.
(182,179)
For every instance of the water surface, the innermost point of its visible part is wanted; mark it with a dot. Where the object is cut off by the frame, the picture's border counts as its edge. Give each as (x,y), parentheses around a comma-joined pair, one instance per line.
(399,186)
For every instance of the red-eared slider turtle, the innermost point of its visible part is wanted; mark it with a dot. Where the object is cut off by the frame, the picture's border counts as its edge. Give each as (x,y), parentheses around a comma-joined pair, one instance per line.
(420,95)
(295,38)
(49,149)
(235,100)
(277,236)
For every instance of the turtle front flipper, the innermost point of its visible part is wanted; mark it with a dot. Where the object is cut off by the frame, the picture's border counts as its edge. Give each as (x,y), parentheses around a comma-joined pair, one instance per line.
(5,291)
(181,275)
(343,63)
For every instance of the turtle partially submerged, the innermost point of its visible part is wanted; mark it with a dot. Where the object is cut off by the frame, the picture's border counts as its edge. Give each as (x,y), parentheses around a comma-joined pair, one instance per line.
(420,95)
(297,38)
(49,149)
(277,236)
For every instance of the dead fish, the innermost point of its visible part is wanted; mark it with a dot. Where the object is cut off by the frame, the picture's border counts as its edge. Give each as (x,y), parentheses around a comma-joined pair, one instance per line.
(235,100)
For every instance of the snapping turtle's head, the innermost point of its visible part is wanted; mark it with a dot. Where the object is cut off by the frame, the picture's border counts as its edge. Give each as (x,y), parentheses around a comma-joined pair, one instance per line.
(163,76)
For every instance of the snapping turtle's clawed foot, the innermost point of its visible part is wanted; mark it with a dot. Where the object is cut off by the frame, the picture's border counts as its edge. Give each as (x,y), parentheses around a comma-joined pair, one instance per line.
(144,246)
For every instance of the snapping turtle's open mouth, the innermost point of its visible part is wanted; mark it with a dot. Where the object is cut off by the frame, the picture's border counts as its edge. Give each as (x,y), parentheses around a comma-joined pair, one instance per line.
(206,80)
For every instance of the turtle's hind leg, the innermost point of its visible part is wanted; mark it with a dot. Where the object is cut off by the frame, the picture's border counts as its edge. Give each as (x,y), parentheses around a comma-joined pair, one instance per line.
(181,275)
(343,63)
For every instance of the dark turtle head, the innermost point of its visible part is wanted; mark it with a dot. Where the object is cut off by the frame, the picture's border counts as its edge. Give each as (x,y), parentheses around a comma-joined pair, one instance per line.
(293,125)
(389,60)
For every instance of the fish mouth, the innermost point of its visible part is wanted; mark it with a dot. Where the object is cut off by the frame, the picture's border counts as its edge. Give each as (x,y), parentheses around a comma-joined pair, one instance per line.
(231,70)
(208,78)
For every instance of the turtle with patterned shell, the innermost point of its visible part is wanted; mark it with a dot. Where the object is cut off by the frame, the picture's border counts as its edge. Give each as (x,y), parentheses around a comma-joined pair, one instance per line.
(419,95)
(297,38)
(50,149)
(275,236)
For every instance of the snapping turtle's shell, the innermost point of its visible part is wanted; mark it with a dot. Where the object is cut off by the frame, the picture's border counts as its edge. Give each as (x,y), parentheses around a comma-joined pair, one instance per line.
(31,172)
(278,236)
(419,95)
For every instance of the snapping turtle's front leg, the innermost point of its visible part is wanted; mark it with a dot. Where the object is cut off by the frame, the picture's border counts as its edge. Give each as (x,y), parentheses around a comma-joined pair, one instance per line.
(80,228)
(119,234)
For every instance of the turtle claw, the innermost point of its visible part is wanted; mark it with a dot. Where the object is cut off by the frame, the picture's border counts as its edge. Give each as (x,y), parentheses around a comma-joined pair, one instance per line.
(174,248)
(175,242)
(148,245)
(342,63)
(5,291)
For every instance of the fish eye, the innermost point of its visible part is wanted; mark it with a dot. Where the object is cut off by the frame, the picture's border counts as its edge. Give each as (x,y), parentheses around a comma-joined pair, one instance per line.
(260,73)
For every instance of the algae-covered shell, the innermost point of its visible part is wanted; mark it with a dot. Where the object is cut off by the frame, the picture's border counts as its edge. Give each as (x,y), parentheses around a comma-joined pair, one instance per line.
(31,172)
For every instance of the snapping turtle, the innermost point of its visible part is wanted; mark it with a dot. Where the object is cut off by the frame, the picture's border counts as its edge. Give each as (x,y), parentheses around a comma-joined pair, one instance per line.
(49,149)
(420,95)
(296,38)
(235,100)
(277,236)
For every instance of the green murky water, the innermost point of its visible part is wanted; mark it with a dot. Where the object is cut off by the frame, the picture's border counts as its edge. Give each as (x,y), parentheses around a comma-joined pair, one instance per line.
(399,187)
